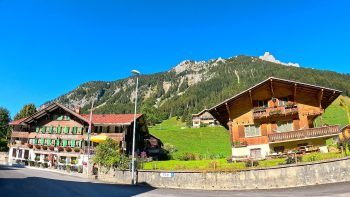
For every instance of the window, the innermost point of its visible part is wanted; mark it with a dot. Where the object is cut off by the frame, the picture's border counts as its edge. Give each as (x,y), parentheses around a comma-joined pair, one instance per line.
(252,130)
(282,101)
(263,103)
(14,152)
(284,126)
(66,117)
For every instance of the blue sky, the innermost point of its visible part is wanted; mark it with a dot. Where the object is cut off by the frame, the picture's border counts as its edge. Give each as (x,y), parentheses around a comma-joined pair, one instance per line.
(50,47)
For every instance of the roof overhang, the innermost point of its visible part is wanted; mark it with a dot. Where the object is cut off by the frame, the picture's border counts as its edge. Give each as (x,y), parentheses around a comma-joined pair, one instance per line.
(51,107)
(220,111)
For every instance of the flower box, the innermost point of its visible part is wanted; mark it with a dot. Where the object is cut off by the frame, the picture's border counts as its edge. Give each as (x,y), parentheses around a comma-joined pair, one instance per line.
(37,147)
(68,149)
(44,147)
(51,148)
(76,149)
(60,149)
(30,146)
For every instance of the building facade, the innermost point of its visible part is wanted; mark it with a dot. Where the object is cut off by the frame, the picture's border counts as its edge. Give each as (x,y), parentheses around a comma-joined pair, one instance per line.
(57,135)
(276,116)
(204,118)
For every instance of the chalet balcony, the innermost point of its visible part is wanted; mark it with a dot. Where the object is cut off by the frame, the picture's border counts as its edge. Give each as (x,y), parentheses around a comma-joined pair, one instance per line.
(304,134)
(19,134)
(265,112)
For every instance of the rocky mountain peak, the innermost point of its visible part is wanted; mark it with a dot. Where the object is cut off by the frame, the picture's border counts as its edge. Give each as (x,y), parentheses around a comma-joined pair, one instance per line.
(270,58)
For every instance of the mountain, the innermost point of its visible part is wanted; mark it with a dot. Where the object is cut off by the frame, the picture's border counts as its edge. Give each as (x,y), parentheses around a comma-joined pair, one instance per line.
(191,86)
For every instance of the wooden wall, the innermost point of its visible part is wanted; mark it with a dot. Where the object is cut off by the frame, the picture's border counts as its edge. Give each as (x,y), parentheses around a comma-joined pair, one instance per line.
(241,112)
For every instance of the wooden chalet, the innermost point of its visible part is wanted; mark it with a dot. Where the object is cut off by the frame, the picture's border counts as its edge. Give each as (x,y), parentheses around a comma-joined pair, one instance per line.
(57,133)
(203,117)
(276,116)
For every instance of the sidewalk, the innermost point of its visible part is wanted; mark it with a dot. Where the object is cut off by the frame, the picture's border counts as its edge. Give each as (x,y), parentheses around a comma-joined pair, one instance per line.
(81,175)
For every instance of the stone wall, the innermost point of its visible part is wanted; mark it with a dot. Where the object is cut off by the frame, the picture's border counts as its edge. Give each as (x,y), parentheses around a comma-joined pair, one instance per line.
(276,177)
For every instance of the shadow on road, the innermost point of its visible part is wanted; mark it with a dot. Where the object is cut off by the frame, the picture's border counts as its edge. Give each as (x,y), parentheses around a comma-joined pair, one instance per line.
(3,167)
(35,186)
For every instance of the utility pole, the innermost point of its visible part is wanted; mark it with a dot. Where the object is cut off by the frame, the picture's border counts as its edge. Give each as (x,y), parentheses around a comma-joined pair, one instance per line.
(133,181)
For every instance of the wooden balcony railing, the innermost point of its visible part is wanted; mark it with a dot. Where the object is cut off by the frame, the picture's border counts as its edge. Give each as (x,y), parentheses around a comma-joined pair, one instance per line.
(304,134)
(19,134)
(263,112)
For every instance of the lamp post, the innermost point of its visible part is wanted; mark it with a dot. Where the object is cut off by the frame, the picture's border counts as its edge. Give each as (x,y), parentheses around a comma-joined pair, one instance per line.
(136,73)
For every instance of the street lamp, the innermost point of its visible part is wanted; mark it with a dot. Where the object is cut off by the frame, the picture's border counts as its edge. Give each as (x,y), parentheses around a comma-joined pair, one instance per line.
(136,73)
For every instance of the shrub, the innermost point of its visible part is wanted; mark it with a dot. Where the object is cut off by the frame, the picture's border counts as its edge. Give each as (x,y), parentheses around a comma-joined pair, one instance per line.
(80,169)
(170,150)
(37,164)
(38,146)
(291,159)
(52,148)
(68,168)
(30,146)
(3,145)
(187,156)
(108,154)
(251,163)
(44,147)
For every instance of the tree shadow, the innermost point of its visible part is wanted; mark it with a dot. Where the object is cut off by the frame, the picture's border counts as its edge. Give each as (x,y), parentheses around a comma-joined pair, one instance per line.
(35,186)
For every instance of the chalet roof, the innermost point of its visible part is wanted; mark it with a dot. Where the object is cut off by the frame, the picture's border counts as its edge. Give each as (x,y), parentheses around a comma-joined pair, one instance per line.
(219,111)
(111,118)
(16,122)
(96,118)
(200,113)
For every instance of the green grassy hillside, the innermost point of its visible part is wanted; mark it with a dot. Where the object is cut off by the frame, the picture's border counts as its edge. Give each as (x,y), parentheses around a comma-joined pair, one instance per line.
(335,114)
(205,141)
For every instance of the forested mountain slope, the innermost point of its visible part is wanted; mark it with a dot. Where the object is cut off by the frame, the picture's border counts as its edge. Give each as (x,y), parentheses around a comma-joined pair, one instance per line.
(192,86)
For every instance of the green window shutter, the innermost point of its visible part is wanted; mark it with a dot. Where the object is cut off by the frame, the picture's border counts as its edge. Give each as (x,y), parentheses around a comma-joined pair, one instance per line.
(48,142)
(66,130)
(68,117)
(57,142)
(34,141)
(42,141)
(37,129)
(72,143)
(51,129)
(58,129)
(78,143)
(75,130)
(64,143)
(80,130)
(43,130)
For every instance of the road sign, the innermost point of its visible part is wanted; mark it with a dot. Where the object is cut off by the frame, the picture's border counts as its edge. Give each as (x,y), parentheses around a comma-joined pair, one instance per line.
(166,174)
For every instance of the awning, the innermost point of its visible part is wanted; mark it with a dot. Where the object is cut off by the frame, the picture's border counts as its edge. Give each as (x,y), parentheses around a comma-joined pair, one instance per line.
(99,138)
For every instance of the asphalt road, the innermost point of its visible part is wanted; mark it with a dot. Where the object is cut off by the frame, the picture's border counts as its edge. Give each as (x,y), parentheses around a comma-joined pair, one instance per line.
(30,182)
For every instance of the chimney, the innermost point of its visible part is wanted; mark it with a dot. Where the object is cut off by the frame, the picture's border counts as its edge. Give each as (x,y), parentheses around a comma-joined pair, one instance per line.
(77,110)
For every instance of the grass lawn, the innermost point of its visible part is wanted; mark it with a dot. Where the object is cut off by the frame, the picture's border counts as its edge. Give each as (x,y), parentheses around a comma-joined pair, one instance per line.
(205,141)
(335,114)
(223,165)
